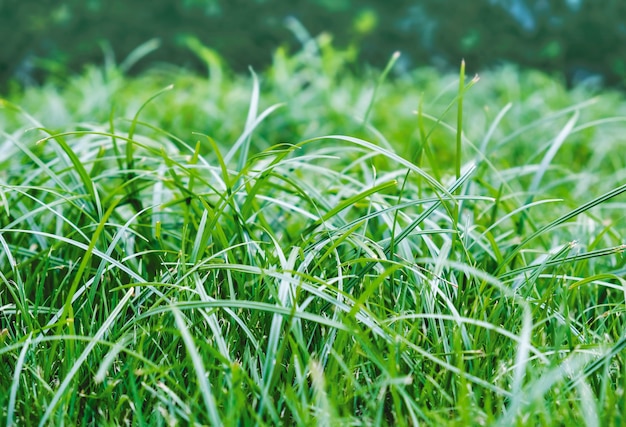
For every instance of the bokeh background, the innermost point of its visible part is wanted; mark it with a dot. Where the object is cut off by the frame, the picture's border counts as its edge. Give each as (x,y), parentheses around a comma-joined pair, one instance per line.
(578,40)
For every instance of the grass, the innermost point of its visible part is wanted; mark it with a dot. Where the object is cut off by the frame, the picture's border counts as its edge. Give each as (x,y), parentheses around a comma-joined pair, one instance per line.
(312,248)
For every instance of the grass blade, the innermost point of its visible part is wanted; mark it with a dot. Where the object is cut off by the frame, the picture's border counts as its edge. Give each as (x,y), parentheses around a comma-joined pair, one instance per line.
(201,375)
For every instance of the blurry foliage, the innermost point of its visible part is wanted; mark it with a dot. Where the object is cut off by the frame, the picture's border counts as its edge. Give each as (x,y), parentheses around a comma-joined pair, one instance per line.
(581,38)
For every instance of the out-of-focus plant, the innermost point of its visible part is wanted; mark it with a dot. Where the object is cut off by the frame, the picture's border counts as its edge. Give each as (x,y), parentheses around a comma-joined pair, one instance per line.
(580,38)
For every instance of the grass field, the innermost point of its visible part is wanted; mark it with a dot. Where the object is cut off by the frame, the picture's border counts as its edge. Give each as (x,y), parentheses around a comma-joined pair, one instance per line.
(307,247)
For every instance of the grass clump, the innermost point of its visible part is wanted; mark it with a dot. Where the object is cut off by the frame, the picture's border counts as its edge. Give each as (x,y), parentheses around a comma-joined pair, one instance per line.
(308,247)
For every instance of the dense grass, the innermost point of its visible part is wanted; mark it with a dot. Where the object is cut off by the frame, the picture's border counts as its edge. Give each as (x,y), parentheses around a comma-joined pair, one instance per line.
(312,248)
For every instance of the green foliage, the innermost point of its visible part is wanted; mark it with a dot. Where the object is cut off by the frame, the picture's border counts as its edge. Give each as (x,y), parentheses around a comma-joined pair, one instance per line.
(53,37)
(583,39)
(299,248)
(579,38)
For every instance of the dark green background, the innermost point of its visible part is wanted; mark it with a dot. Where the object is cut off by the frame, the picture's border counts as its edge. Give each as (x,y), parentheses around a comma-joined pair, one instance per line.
(579,39)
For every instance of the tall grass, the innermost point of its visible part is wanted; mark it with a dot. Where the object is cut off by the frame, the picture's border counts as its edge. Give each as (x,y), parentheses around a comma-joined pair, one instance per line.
(307,247)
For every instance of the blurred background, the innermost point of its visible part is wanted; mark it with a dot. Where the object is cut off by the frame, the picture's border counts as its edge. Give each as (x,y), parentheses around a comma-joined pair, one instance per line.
(577,40)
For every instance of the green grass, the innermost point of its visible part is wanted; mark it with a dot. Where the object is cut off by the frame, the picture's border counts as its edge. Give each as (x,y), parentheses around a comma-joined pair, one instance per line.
(312,248)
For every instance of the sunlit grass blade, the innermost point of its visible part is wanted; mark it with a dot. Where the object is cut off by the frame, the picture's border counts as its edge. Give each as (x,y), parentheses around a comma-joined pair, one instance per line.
(78,363)
(562,219)
(379,82)
(138,53)
(198,366)
(16,381)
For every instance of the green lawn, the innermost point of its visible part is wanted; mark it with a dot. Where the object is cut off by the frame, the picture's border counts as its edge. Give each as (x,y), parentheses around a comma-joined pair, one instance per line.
(307,247)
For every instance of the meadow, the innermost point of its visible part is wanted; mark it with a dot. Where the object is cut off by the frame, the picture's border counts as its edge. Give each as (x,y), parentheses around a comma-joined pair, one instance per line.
(312,246)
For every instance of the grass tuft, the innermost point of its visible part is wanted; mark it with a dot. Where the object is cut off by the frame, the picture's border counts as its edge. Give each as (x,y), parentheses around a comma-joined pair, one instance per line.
(183,258)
